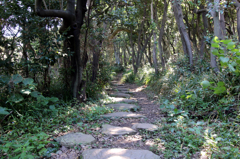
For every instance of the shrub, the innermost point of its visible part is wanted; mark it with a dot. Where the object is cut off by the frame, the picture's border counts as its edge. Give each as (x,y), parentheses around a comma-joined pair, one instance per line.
(19,95)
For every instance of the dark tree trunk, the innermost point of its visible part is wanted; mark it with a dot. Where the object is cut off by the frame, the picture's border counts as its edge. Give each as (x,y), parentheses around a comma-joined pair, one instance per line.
(96,55)
(124,56)
(72,18)
(149,56)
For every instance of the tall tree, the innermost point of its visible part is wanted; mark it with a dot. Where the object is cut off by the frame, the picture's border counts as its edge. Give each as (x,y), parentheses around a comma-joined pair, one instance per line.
(237,4)
(154,41)
(161,33)
(73,19)
(219,29)
(182,29)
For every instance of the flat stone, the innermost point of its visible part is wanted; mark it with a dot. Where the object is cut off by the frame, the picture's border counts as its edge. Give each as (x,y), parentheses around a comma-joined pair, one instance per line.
(123,106)
(116,84)
(123,115)
(146,126)
(122,89)
(127,92)
(109,89)
(121,86)
(115,130)
(118,94)
(118,154)
(124,100)
(73,139)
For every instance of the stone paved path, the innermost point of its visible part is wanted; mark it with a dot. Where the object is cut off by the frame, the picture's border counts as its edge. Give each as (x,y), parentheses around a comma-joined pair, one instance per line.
(123,106)
(123,125)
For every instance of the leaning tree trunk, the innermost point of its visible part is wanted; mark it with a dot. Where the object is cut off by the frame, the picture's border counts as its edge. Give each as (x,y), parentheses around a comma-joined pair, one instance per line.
(72,18)
(182,29)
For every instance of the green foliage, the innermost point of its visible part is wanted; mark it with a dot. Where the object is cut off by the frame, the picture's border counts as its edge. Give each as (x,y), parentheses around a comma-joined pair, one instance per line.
(94,88)
(205,84)
(128,77)
(144,76)
(93,113)
(61,84)
(228,53)
(183,135)
(118,68)
(27,146)
(3,111)
(20,95)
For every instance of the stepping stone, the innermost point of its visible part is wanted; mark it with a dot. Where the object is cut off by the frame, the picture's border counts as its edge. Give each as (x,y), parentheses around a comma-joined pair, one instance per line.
(122,89)
(118,94)
(122,106)
(124,100)
(146,126)
(123,115)
(116,130)
(127,92)
(121,86)
(118,154)
(73,139)
(109,89)
(116,84)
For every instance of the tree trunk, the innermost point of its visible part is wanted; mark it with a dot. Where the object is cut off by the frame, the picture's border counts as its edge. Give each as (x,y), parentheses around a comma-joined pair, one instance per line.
(154,42)
(149,56)
(133,52)
(72,18)
(218,31)
(203,41)
(116,54)
(95,64)
(124,56)
(161,33)
(182,29)
(25,56)
(237,4)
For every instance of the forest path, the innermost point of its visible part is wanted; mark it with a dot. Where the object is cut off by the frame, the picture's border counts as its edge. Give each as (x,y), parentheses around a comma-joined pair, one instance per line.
(128,132)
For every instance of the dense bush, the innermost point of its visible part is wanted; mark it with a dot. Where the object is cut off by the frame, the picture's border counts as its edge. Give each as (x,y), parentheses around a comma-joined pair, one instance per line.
(19,95)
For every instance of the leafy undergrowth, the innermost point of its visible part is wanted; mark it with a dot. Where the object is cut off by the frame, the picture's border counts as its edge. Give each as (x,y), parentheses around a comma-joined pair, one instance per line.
(201,108)
(183,136)
(32,136)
